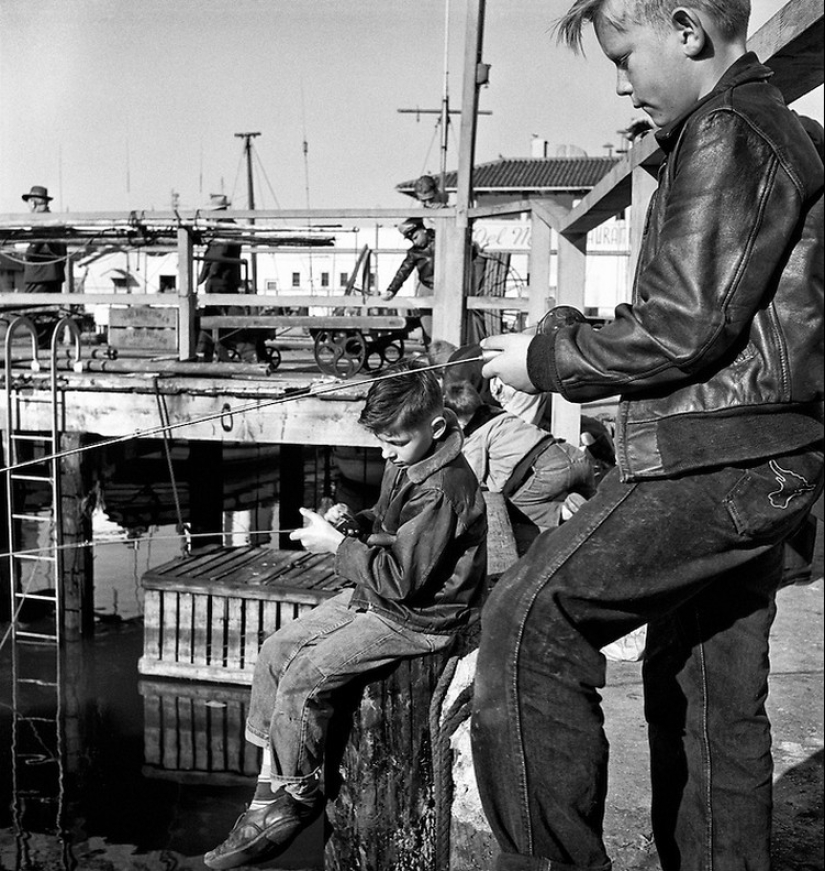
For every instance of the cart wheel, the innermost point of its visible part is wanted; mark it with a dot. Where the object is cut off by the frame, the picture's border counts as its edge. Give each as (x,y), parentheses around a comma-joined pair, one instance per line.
(393,352)
(383,352)
(341,353)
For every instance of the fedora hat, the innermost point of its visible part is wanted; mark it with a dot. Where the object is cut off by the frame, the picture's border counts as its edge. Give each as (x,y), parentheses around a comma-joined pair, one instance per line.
(37,191)
(217,203)
(409,226)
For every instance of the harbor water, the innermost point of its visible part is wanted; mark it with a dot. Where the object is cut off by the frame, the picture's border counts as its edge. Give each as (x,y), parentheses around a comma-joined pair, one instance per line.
(97,798)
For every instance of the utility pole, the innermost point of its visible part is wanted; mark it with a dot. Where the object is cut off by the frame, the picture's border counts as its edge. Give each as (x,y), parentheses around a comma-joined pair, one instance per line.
(253,259)
(445,111)
(453,261)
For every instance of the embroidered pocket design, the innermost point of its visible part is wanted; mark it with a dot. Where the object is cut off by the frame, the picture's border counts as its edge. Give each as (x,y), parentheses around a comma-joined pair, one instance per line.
(790,485)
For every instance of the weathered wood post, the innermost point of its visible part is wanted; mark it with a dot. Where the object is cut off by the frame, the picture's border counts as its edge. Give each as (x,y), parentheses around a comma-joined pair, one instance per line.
(76,557)
(186,296)
(383,811)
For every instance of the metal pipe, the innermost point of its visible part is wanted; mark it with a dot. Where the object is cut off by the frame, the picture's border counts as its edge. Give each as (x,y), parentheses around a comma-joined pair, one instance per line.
(164,367)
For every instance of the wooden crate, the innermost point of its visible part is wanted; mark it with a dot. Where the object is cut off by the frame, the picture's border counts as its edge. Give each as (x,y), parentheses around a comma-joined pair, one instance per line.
(194,733)
(205,616)
(143,327)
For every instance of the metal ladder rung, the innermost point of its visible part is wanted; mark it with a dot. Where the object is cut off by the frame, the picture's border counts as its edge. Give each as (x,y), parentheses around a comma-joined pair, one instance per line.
(37,517)
(39,596)
(29,437)
(42,478)
(34,557)
(37,681)
(24,635)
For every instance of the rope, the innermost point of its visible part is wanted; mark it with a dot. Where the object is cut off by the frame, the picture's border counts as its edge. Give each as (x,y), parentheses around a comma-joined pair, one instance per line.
(163,413)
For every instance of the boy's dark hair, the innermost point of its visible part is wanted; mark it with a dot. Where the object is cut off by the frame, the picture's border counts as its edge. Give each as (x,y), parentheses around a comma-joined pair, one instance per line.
(731,16)
(462,398)
(403,398)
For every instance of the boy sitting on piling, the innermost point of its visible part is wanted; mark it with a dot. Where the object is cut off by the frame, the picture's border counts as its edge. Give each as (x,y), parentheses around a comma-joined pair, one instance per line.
(416,562)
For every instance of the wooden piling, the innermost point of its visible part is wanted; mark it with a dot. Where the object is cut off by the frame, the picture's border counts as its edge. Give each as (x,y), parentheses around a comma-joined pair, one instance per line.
(76,519)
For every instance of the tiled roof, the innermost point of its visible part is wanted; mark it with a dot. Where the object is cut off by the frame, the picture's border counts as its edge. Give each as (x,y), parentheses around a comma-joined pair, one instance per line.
(531,174)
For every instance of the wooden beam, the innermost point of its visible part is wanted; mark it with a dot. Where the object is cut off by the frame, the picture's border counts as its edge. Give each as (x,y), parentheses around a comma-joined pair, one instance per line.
(233,415)
(791,44)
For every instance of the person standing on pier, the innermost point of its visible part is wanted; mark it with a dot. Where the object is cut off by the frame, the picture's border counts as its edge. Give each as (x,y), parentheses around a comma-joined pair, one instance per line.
(421,259)
(45,269)
(719,363)
(414,567)
(221,273)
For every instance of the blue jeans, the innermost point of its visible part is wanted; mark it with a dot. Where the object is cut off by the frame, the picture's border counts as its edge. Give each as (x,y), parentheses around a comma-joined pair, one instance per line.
(304,662)
(699,559)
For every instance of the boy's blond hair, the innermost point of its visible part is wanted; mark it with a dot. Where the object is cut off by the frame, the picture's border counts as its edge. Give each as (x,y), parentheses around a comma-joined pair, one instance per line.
(730,16)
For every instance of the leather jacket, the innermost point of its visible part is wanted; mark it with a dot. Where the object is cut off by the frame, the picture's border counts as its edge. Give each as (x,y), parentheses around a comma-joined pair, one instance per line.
(719,359)
(419,257)
(423,562)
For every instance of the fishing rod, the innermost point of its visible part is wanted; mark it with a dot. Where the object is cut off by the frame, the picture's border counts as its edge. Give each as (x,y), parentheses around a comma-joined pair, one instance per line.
(291,394)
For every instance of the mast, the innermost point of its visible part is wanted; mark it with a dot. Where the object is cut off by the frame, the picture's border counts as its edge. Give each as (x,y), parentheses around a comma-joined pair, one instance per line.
(445,101)
(253,260)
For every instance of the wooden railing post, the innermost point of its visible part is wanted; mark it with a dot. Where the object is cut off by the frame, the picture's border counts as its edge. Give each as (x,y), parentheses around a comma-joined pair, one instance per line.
(566,416)
(541,244)
(449,285)
(643,184)
(186,296)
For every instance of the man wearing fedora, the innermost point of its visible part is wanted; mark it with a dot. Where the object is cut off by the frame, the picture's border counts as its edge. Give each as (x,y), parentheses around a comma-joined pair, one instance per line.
(45,269)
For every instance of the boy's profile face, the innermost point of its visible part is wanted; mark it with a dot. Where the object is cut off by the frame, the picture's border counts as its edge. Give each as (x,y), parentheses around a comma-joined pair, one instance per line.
(404,449)
(652,67)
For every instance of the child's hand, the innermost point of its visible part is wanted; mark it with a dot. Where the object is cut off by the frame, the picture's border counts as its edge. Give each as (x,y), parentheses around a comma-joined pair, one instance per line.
(342,518)
(319,536)
(506,357)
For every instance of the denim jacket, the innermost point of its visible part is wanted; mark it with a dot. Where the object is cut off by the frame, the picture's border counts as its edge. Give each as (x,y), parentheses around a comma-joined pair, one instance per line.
(424,562)
(719,359)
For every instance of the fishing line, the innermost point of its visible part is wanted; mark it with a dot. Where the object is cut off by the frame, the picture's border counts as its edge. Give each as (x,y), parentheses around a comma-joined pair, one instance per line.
(299,393)
(136,541)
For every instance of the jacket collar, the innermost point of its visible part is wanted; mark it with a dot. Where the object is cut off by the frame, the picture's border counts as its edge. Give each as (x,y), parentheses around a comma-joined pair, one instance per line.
(447,448)
(746,69)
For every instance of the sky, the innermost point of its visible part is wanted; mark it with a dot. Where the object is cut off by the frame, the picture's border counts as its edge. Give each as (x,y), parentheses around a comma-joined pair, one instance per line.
(133,104)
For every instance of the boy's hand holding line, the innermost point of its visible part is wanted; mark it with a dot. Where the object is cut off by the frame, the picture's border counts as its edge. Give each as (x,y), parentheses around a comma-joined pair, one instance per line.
(506,357)
(319,536)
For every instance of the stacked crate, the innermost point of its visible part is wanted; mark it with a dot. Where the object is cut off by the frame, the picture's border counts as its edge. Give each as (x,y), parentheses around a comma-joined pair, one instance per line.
(206,616)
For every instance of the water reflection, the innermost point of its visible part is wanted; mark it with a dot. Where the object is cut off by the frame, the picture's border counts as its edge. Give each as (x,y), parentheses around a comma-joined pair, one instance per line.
(91,776)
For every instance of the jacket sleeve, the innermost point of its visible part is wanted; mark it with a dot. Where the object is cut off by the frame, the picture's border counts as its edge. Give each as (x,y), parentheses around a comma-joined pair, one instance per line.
(405,270)
(721,238)
(411,562)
